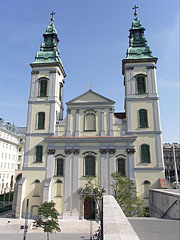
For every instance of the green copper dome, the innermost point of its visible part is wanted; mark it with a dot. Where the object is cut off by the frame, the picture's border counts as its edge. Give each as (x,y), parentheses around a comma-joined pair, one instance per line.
(138,47)
(49,52)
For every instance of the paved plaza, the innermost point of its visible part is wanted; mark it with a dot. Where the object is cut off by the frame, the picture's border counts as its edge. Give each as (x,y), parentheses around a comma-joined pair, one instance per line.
(156,229)
(146,228)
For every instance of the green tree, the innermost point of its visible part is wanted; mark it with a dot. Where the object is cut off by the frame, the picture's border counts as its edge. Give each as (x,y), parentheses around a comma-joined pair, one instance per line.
(95,192)
(48,218)
(125,194)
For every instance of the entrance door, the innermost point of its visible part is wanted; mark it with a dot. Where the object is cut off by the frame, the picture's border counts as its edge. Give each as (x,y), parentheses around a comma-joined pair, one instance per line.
(89,209)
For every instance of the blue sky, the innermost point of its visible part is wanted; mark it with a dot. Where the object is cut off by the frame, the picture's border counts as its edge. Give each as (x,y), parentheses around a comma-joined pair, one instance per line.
(93,41)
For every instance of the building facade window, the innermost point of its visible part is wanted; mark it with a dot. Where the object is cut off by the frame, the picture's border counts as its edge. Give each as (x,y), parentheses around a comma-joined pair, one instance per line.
(145,153)
(59,167)
(147,186)
(143,120)
(43,88)
(121,166)
(36,188)
(39,153)
(59,188)
(41,120)
(90,122)
(60,91)
(90,168)
(141,84)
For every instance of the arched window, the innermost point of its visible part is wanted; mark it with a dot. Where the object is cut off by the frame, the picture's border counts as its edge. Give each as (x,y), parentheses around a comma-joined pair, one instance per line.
(59,167)
(41,120)
(39,153)
(36,188)
(147,186)
(89,166)
(143,121)
(121,166)
(59,188)
(43,88)
(145,153)
(90,122)
(141,84)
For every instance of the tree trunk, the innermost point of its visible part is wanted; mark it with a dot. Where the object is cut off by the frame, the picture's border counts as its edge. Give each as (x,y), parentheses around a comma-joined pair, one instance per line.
(48,236)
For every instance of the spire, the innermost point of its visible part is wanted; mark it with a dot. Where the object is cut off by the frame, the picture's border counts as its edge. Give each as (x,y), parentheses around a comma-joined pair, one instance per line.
(138,47)
(49,52)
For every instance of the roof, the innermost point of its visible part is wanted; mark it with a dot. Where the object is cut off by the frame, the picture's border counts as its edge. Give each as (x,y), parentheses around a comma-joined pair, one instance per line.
(90,97)
(120,115)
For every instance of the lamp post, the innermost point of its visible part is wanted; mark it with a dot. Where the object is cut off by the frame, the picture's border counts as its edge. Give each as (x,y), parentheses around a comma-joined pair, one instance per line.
(175,165)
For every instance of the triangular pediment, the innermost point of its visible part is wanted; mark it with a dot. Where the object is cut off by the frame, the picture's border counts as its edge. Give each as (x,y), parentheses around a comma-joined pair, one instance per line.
(90,97)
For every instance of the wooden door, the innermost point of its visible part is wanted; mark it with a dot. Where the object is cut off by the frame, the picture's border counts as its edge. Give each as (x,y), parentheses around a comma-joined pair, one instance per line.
(89,209)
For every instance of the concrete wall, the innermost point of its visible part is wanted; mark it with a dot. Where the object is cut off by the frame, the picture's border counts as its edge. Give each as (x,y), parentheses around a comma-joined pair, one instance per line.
(165,203)
(115,224)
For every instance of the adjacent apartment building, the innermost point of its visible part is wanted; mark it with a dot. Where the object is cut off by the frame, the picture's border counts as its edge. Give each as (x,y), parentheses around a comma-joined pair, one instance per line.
(11,154)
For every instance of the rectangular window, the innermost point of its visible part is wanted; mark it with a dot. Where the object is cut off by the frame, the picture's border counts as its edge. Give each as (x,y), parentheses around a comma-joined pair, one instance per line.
(41,120)
(141,87)
(39,151)
(145,153)
(143,118)
(59,166)
(89,166)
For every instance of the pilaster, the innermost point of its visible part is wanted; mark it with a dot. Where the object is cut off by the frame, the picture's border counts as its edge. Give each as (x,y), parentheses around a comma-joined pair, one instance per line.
(75,182)
(103,168)
(77,124)
(102,124)
(68,133)
(111,131)
(111,168)
(67,178)
(131,173)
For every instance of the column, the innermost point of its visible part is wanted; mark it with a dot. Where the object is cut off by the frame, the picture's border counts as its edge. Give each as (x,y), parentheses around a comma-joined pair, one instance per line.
(103,168)
(50,163)
(111,132)
(52,84)
(75,183)
(77,123)
(26,152)
(128,91)
(111,168)
(102,124)
(69,124)
(149,80)
(159,150)
(132,81)
(67,178)
(128,117)
(34,79)
(48,186)
(52,119)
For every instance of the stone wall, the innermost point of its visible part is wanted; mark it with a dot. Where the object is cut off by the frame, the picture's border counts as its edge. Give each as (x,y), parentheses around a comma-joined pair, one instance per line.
(165,203)
(115,224)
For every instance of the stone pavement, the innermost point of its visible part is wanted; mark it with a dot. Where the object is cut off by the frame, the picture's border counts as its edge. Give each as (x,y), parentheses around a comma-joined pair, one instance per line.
(156,229)
(11,225)
(146,229)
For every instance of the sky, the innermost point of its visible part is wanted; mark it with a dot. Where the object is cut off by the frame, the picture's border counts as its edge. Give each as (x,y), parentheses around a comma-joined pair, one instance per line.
(93,42)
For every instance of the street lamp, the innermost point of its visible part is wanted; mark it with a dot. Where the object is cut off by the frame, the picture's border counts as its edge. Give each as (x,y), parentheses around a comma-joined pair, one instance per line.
(175,166)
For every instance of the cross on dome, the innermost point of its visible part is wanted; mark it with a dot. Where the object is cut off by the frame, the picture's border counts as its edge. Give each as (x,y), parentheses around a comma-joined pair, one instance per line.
(52,14)
(135,13)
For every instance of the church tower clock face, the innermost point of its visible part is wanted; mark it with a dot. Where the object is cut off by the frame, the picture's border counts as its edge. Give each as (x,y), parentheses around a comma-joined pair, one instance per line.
(92,140)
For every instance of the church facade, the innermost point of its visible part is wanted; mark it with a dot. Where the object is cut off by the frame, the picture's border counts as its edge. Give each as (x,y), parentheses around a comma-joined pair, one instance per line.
(92,140)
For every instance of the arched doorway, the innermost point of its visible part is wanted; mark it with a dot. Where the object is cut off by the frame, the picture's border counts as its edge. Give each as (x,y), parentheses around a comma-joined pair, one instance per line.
(89,208)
